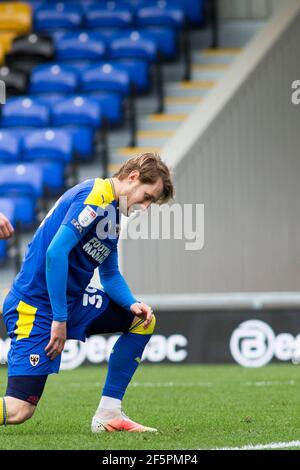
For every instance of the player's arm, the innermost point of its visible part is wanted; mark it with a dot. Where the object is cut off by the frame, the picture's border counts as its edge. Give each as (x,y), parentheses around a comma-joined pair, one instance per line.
(6,229)
(117,288)
(57,264)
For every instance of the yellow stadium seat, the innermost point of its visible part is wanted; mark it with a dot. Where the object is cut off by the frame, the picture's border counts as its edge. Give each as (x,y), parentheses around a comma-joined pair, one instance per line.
(6,40)
(15,17)
(1,54)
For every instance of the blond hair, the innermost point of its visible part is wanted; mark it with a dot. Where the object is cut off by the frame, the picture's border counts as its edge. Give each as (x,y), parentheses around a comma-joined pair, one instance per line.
(151,168)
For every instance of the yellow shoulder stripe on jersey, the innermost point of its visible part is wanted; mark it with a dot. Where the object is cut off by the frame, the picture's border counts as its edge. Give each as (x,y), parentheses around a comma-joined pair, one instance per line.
(102,193)
(25,321)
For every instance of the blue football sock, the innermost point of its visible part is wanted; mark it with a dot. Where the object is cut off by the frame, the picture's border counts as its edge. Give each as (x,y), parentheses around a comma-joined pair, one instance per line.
(123,362)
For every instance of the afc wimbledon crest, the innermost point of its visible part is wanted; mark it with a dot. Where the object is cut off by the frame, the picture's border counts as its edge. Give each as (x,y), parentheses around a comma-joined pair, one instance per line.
(34,359)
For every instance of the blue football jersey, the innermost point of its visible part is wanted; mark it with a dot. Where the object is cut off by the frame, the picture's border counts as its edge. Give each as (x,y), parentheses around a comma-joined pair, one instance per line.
(90,209)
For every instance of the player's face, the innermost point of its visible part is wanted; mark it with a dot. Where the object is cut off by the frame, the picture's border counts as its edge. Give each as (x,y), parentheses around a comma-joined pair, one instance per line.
(140,196)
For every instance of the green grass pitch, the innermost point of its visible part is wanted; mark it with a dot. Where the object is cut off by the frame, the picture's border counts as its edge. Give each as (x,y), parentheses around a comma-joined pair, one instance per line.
(193,406)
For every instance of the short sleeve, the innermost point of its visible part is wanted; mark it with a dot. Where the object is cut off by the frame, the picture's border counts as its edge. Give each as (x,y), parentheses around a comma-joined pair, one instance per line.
(85,207)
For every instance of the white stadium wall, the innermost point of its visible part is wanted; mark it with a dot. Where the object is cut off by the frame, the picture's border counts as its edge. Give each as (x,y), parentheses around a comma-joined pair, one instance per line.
(248,9)
(238,154)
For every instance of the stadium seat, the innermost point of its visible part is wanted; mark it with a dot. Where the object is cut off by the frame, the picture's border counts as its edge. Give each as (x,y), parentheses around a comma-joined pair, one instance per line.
(110,85)
(6,39)
(25,112)
(160,13)
(139,73)
(61,15)
(109,14)
(82,138)
(163,21)
(77,111)
(15,16)
(80,46)
(16,82)
(52,151)
(133,44)
(2,54)
(29,51)
(193,9)
(9,146)
(83,116)
(53,78)
(22,183)
(141,46)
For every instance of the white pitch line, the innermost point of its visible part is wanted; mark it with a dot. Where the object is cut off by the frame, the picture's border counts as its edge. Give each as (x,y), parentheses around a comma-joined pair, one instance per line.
(170,384)
(272,445)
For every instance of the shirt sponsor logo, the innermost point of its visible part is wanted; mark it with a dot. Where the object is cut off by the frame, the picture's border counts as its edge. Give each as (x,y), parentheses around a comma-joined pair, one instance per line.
(77,225)
(87,216)
(96,250)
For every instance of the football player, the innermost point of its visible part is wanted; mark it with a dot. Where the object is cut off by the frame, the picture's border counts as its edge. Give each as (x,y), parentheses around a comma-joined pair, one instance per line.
(47,303)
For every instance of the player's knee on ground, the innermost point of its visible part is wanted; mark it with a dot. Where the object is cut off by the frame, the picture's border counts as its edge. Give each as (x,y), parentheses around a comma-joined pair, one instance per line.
(22,395)
(137,326)
(17,411)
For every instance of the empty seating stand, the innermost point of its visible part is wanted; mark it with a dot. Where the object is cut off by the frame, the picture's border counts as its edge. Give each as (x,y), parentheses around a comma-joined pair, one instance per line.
(22,184)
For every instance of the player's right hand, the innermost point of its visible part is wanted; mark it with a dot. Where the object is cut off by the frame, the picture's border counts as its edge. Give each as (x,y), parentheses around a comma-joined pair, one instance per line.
(57,340)
(143,311)
(6,229)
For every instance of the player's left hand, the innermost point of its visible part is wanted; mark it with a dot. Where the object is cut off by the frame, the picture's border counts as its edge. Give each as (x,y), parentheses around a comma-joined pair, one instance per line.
(144,311)
(6,229)
(57,339)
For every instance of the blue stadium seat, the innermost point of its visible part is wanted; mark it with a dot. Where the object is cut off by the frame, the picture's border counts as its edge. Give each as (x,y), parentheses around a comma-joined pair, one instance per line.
(25,112)
(9,146)
(53,78)
(83,142)
(60,15)
(48,143)
(7,207)
(80,65)
(133,44)
(193,9)
(110,85)
(23,183)
(48,98)
(84,117)
(160,13)
(82,138)
(52,151)
(163,20)
(138,45)
(111,79)
(80,46)
(109,14)
(77,111)
(139,73)
(105,77)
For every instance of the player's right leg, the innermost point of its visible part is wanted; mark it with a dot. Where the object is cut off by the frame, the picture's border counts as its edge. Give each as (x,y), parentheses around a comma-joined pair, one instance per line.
(28,364)
(100,316)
